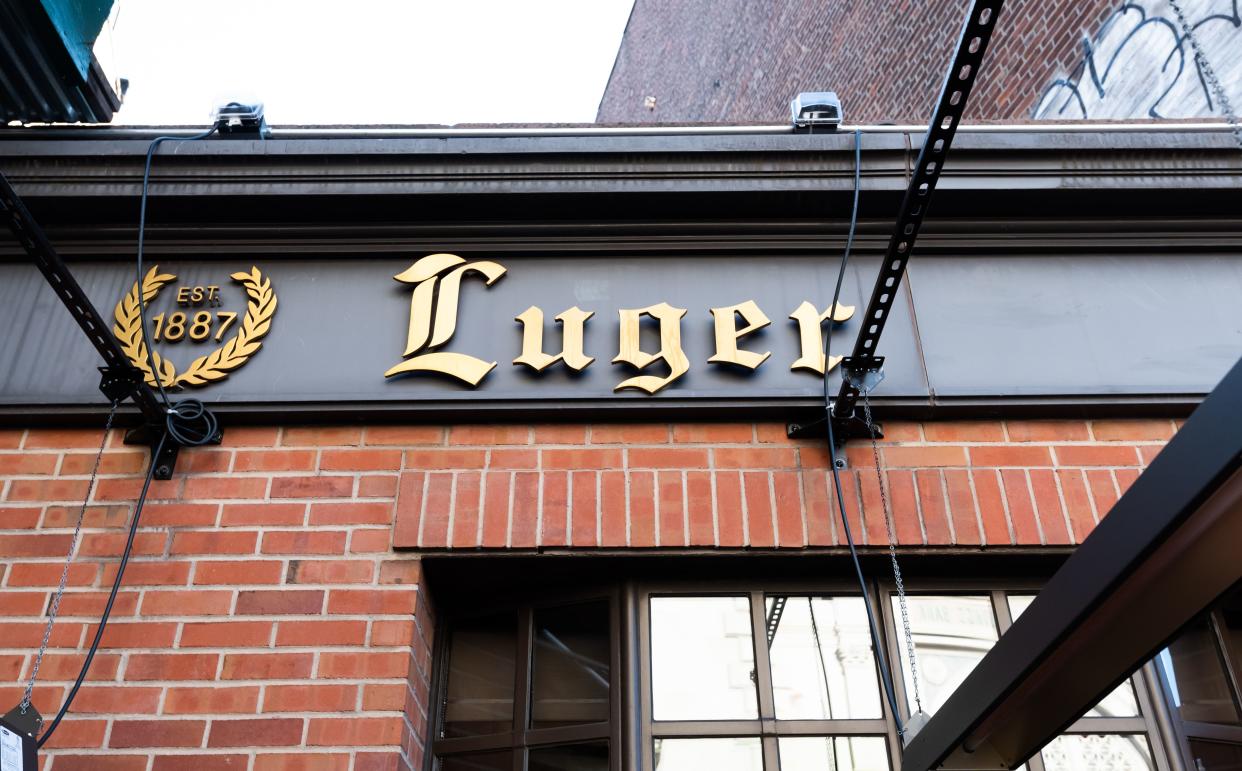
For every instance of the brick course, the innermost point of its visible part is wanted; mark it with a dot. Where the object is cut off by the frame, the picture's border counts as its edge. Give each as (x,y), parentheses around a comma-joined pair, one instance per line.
(273,615)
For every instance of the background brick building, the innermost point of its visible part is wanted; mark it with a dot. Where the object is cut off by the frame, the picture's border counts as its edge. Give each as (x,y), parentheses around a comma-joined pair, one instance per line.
(741,62)
(737,61)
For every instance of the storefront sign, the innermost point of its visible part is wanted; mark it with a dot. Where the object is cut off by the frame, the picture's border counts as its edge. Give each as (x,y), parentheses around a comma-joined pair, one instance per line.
(445,272)
(476,330)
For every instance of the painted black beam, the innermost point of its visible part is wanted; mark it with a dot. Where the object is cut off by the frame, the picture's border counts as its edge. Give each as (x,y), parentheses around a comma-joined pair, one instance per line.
(122,378)
(1166,551)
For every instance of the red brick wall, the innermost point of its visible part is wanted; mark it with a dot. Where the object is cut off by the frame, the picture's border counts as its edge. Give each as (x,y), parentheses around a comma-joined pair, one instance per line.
(735,61)
(263,615)
(272,615)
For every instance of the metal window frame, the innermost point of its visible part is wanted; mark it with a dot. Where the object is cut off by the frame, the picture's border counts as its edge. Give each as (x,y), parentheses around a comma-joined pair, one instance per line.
(521,738)
(631,729)
(766,727)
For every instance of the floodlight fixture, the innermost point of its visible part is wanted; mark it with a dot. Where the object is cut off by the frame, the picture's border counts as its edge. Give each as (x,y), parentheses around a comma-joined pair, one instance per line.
(816,109)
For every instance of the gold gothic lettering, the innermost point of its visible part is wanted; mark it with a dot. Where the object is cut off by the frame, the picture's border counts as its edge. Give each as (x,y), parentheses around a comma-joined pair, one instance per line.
(426,333)
(727,334)
(810,332)
(670,352)
(572,321)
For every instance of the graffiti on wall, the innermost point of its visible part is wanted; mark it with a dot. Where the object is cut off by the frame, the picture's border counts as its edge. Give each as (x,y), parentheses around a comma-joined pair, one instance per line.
(1140,64)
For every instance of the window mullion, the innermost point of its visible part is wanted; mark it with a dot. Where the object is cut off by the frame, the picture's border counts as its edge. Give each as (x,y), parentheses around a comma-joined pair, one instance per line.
(1165,728)
(646,758)
(763,668)
(771,752)
(630,701)
(1000,609)
(522,671)
(439,691)
(883,608)
(1035,762)
(1223,650)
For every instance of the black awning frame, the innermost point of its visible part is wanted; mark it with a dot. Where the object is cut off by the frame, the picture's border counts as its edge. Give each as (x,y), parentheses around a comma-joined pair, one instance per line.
(1167,550)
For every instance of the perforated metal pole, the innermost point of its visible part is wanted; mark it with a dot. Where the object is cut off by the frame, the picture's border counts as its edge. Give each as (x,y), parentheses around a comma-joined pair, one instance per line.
(125,375)
(971,46)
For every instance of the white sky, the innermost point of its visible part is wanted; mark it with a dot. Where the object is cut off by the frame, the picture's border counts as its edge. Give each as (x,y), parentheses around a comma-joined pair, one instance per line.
(365,61)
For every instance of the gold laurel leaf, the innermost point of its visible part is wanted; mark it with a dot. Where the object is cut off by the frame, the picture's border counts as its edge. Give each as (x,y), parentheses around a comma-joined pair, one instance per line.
(128,328)
(205,369)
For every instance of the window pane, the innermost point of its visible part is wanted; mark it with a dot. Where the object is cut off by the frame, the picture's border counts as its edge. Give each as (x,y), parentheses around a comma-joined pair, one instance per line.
(571,667)
(1196,676)
(478,761)
(823,667)
(481,673)
(727,754)
(702,659)
(1093,752)
(1121,702)
(1216,756)
(818,753)
(951,636)
(571,757)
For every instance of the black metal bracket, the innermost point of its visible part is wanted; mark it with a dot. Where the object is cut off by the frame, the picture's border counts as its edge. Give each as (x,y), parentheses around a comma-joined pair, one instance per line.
(971,46)
(851,426)
(165,461)
(119,384)
(863,373)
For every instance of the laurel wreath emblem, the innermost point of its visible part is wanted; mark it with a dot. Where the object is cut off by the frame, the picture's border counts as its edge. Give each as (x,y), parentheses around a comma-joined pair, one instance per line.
(206,369)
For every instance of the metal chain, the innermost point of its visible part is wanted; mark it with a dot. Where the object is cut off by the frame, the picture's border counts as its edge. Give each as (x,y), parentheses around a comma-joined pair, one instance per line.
(1209,74)
(64,574)
(892,555)
(823,667)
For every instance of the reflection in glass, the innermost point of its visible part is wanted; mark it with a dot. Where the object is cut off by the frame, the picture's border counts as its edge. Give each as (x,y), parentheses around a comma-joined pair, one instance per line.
(823,667)
(1094,752)
(570,757)
(1231,628)
(724,754)
(478,761)
(1216,756)
(1121,702)
(817,753)
(570,679)
(1197,677)
(480,680)
(702,659)
(951,635)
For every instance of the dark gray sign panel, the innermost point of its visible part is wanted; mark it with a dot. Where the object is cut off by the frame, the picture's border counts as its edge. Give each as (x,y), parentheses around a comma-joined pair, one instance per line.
(988,328)
(1076,324)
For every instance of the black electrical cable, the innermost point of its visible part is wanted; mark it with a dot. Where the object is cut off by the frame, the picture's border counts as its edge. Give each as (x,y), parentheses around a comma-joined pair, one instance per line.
(881,659)
(188,422)
(116,585)
(142,227)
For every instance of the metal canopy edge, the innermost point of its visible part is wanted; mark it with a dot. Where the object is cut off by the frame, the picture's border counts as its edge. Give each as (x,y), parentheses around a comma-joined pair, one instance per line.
(1166,551)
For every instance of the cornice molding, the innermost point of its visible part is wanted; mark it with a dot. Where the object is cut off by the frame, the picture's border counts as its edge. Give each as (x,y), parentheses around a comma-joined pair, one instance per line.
(1031,161)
